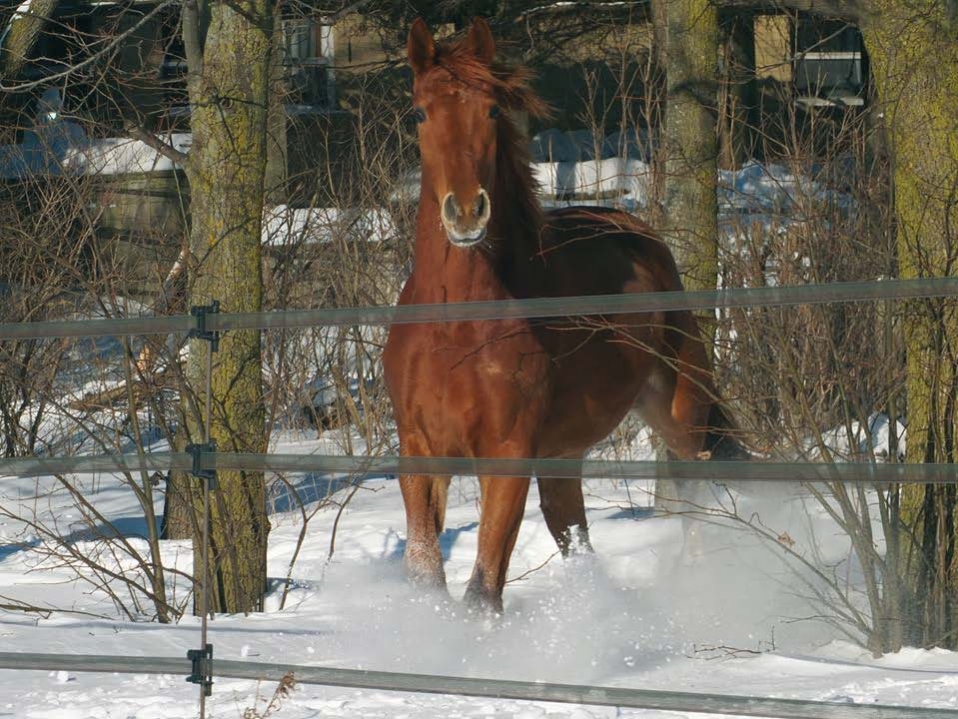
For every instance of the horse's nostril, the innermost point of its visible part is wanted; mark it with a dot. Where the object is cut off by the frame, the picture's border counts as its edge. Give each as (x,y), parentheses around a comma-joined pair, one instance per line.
(479,209)
(451,211)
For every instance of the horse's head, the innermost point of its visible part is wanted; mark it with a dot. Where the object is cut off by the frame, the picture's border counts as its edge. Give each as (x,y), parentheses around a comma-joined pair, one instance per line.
(456,100)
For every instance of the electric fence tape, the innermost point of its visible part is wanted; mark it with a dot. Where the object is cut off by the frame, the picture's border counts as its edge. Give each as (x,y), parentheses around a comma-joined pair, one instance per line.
(390,465)
(542,307)
(490,688)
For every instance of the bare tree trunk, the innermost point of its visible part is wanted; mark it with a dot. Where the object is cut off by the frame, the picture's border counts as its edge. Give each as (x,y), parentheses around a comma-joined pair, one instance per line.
(914,59)
(690,206)
(229,71)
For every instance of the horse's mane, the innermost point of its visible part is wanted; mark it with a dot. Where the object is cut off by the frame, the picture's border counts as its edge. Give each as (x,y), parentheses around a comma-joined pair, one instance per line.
(512,88)
(512,85)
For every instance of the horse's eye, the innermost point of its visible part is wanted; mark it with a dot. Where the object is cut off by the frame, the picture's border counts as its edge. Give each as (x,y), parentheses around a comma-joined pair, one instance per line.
(494,112)
(419,114)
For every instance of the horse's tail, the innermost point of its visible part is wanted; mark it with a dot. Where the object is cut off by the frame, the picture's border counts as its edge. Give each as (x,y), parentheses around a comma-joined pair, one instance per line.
(721,441)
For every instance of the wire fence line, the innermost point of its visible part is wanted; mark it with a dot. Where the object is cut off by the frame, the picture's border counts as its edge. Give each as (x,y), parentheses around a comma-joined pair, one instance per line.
(358,466)
(705,703)
(541,307)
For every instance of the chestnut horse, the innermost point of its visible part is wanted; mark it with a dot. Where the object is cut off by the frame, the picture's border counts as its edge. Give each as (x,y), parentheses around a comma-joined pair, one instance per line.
(519,388)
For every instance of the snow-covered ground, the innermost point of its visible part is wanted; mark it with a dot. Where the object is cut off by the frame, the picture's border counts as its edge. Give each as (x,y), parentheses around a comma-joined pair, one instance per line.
(732,619)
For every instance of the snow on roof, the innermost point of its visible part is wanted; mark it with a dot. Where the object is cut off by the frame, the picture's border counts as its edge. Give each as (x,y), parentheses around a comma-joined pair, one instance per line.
(761,188)
(121,155)
(57,146)
(284,226)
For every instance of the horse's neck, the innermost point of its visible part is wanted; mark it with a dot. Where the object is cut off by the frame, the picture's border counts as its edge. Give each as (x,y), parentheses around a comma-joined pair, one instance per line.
(446,273)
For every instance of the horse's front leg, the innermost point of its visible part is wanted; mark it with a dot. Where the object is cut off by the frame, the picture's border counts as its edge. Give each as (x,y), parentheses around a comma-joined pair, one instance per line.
(503,504)
(425,500)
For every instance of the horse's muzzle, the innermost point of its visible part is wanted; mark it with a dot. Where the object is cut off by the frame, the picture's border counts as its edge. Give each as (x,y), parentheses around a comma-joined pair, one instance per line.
(466,226)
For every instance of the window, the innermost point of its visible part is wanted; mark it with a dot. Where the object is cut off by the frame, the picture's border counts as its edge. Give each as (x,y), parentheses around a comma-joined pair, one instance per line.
(308,54)
(828,63)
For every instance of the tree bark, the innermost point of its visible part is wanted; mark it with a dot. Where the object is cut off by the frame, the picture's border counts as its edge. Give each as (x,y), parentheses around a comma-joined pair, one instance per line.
(691,204)
(913,50)
(24,29)
(689,144)
(229,88)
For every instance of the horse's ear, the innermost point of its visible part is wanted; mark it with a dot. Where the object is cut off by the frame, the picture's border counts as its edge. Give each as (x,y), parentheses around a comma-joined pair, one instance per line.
(480,40)
(420,48)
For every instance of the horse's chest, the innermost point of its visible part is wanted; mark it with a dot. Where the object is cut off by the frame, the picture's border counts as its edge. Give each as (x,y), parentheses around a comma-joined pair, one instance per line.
(469,379)
(484,358)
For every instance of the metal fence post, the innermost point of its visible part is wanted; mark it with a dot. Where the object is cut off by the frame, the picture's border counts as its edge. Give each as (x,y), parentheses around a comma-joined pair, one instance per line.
(202,658)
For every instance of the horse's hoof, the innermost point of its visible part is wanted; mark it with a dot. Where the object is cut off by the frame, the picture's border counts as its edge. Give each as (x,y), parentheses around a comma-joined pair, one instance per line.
(428,584)
(427,580)
(482,603)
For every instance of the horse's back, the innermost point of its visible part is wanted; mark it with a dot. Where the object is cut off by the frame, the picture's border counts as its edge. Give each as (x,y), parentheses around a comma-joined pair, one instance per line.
(598,250)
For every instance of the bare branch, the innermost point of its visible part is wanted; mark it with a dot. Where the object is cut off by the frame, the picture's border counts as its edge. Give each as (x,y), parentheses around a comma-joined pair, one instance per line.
(163,148)
(114,43)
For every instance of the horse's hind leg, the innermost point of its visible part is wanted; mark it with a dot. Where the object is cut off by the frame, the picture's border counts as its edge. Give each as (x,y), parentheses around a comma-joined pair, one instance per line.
(503,504)
(678,396)
(560,499)
(675,403)
(425,501)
